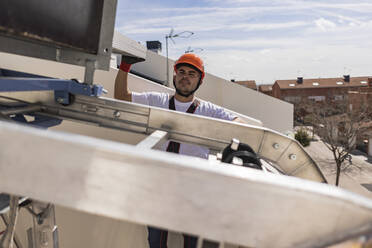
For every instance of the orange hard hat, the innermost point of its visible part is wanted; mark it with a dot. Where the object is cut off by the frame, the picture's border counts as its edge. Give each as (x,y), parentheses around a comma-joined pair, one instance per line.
(191,59)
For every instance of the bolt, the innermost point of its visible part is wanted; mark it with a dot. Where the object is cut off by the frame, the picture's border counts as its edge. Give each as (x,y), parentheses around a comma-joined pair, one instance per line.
(276,146)
(292,157)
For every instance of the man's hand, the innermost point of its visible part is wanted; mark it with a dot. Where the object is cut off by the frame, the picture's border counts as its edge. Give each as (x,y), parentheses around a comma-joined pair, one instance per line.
(128,61)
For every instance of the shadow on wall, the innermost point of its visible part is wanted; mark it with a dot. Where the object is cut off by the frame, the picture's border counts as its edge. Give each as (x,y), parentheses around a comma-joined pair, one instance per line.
(367,186)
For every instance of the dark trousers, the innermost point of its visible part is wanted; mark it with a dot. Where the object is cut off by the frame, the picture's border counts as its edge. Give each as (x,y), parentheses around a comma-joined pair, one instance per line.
(158,239)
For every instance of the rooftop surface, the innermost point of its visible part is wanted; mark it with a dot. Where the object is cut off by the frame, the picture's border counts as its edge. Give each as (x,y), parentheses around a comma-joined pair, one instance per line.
(323,83)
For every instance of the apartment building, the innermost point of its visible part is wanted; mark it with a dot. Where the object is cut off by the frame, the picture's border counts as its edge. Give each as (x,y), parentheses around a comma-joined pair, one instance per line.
(266,89)
(356,90)
(319,89)
(251,84)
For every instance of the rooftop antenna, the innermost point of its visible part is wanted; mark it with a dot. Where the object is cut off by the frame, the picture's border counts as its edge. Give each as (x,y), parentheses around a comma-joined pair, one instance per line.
(194,50)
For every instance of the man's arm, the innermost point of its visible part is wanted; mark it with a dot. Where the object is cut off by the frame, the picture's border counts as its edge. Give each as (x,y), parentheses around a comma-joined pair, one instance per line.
(121,86)
(121,91)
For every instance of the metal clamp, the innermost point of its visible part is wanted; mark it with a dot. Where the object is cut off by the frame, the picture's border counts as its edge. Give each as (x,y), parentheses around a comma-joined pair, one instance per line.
(235,144)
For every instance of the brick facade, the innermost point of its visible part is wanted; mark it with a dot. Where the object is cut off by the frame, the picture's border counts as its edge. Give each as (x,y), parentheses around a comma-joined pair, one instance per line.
(266,89)
(319,89)
(248,83)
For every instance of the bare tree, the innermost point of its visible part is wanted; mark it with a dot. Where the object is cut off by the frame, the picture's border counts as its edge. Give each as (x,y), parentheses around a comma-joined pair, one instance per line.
(338,124)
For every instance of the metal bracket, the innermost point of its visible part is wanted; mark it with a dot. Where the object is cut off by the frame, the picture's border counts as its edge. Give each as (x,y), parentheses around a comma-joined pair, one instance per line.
(16,81)
(44,234)
(90,66)
(17,240)
(8,237)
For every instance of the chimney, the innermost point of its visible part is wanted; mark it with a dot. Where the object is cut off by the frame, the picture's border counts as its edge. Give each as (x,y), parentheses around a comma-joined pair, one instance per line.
(232,80)
(347,78)
(370,81)
(154,46)
(300,80)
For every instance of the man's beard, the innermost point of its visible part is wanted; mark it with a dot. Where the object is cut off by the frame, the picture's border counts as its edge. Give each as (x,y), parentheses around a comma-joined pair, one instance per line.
(184,82)
(186,93)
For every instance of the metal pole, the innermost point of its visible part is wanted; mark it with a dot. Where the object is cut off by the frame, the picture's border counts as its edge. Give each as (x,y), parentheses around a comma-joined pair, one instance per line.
(6,221)
(8,238)
(166,45)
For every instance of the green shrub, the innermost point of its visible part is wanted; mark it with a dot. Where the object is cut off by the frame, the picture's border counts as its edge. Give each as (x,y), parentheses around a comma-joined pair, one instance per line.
(302,137)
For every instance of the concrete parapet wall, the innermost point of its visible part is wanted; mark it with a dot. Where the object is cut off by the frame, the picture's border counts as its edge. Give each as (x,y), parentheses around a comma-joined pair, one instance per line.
(272,112)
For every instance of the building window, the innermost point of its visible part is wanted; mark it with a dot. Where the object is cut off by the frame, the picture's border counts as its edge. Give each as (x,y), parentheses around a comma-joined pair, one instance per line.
(292,85)
(317,98)
(292,98)
(315,83)
(339,83)
(363,82)
(339,97)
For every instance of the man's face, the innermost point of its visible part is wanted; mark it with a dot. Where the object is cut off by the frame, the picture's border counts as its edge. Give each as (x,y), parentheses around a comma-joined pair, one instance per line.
(186,79)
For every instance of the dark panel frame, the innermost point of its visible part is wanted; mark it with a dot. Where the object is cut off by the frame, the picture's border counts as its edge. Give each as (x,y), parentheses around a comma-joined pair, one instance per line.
(59,31)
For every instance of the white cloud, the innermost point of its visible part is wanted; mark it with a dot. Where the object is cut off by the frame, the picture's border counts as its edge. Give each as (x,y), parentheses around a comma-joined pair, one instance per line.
(159,27)
(226,14)
(246,43)
(266,39)
(321,61)
(324,24)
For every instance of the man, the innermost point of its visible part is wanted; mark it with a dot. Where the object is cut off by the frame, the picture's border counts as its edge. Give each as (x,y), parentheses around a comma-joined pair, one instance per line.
(187,77)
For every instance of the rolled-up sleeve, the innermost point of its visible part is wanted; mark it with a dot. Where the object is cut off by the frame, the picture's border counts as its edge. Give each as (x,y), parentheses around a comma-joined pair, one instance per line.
(222,113)
(142,98)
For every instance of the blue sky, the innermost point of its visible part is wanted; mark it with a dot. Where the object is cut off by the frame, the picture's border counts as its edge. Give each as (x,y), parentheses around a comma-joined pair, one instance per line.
(262,40)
